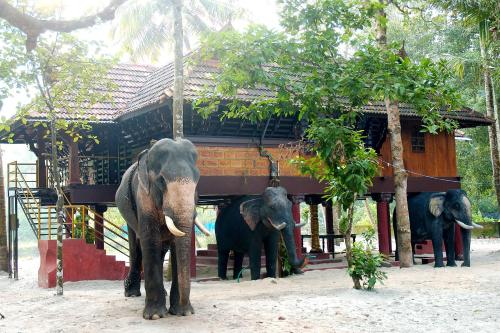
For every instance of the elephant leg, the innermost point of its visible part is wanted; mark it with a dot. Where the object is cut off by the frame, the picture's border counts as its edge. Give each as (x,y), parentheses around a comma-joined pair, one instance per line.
(254,253)
(155,307)
(271,248)
(222,259)
(180,305)
(449,244)
(437,244)
(238,264)
(133,280)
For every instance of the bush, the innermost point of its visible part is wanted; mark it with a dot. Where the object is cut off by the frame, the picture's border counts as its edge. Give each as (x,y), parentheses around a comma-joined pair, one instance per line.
(366,263)
(89,232)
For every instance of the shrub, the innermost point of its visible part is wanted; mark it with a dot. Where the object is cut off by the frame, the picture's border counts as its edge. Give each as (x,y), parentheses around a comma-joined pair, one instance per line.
(366,263)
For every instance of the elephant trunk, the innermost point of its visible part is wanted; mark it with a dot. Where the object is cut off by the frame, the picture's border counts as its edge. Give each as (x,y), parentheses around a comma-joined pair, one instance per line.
(289,238)
(466,236)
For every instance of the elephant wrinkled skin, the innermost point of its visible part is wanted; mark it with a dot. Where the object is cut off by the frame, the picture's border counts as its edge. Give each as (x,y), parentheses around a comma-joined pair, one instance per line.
(250,222)
(157,199)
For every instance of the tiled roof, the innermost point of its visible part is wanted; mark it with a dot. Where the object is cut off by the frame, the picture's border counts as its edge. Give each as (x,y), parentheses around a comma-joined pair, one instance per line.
(138,87)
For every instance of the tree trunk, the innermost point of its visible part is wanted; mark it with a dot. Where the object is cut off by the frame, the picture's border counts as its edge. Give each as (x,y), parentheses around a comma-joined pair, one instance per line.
(348,245)
(493,130)
(3,222)
(178,102)
(59,209)
(400,176)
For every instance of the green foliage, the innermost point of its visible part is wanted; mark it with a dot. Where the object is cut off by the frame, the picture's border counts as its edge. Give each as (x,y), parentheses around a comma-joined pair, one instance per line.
(78,230)
(366,262)
(286,267)
(67,76)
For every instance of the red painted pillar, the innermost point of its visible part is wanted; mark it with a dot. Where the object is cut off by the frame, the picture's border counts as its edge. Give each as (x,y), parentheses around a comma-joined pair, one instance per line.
(193,253)
(383,223)
(459,244)
(297,231)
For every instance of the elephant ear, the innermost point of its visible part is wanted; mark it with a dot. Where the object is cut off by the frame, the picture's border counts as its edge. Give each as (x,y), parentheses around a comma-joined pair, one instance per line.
(142,169)
(436,204)
(250,210)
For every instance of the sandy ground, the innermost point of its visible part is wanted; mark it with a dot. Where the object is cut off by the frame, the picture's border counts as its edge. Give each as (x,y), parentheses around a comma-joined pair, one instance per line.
(420,299)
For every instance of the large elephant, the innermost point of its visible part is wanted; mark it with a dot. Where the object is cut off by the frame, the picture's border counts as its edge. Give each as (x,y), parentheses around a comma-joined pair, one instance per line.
(250,222)
(157,199)
(433,215)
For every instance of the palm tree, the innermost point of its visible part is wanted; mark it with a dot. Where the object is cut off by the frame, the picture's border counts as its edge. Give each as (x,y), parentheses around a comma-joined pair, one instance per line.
(146,28)
(3,225)
(484,14)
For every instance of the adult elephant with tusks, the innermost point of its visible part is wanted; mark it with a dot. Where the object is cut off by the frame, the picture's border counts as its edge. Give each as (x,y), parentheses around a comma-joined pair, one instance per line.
(157,199)
(434,215)
(250,222)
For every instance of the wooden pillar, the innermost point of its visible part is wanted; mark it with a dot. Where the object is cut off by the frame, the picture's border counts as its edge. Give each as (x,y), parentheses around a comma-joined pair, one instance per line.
(42,168)
(99,226)
(315,246)
(459,244)
(193,253)
(297,231)
(74,163)
(329,225)
(383,222)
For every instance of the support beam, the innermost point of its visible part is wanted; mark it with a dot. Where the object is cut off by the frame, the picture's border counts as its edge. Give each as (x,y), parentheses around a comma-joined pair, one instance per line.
(99,226)
(41,167)
(315,246)
(74,163)
(329,225)
(383,222)
(297,231)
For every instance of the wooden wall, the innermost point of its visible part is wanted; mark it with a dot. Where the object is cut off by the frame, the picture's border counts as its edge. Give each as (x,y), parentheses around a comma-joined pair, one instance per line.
(439,159)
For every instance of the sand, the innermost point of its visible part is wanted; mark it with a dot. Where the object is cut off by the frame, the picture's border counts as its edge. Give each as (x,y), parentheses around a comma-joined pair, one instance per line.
(419,299)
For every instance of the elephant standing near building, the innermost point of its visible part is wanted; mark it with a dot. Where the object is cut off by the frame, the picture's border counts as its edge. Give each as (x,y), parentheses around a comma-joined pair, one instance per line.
(157,199)
(433,215)
(250,222)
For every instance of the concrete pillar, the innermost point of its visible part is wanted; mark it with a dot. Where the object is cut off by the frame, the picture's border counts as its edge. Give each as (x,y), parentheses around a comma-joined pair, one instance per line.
(383,222)
(99,226)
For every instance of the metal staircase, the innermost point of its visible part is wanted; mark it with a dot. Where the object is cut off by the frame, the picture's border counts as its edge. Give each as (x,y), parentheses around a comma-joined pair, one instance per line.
(38,205)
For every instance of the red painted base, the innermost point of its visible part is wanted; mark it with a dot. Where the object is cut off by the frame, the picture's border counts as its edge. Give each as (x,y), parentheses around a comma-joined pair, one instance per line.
(81,261)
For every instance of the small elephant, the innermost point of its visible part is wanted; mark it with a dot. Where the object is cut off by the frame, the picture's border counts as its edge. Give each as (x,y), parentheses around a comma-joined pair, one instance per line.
(249,222)
(433,215)
(157,199)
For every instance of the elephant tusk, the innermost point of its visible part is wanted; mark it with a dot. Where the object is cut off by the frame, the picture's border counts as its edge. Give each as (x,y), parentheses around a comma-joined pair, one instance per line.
(463,225)
(300,225)
(477,225)
(172,228)
(277,227)
(201,227)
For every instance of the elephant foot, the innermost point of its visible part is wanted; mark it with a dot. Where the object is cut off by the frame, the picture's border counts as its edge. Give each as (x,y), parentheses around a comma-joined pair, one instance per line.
(438,265)
(451,264)
(132,287)
(154,311)
(464,264)
(181,310)
(296,270)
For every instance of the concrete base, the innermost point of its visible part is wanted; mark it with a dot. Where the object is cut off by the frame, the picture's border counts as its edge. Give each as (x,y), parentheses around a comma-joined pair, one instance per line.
(81,261)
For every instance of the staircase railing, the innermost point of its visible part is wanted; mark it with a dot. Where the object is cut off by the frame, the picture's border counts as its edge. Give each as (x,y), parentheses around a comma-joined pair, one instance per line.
(81,220)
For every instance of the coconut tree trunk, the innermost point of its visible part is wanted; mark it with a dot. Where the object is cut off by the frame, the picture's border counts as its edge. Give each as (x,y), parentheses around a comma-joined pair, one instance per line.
(315,247)
(177,105)
(493,130)
(400,176)
(3,226)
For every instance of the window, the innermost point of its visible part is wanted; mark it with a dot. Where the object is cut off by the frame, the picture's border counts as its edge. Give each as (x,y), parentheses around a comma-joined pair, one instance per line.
(417,141)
